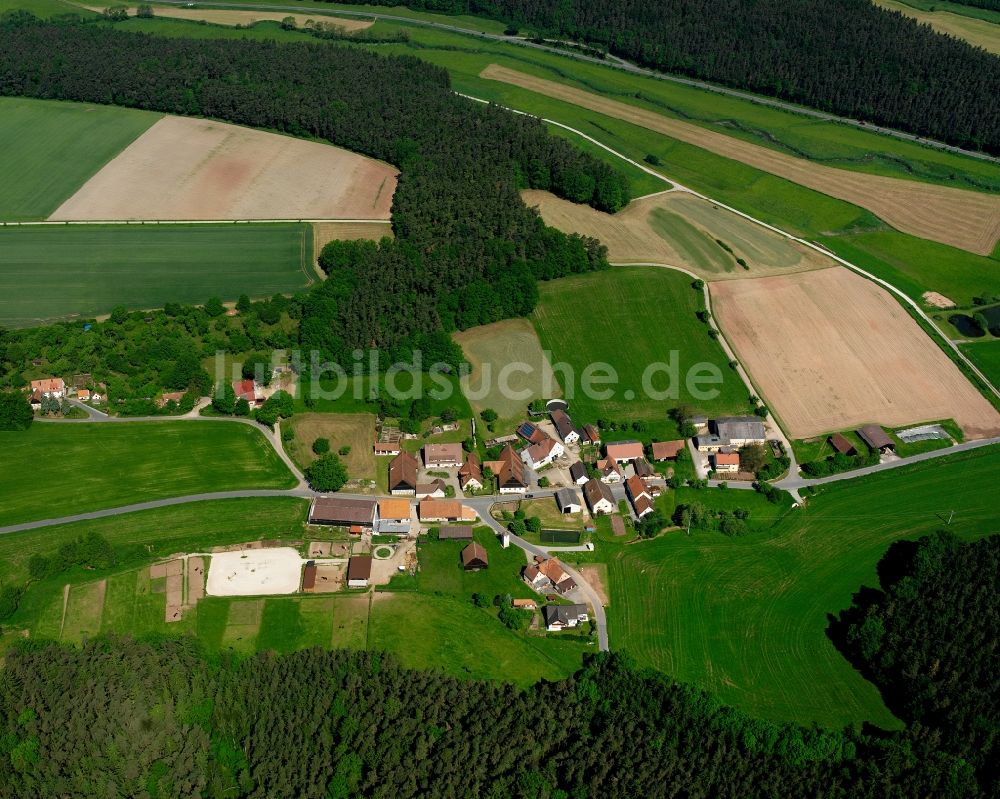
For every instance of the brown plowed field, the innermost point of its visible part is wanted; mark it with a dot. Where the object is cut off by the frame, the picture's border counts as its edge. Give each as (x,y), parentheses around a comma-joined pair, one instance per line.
(964,219)
(194,169)
(830,350)
(679,229)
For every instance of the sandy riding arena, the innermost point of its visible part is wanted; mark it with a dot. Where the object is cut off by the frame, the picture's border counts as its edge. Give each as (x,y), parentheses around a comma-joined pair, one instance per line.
(964,219)
(255,572)
(194,169)
(830,350)
(678,229)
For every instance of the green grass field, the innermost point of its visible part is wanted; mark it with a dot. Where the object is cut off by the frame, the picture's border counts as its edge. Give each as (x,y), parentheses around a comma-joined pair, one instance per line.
(57,470)
(49,149)
(745,618)
(54,272)
(630,318)
(985,355)
(492,349)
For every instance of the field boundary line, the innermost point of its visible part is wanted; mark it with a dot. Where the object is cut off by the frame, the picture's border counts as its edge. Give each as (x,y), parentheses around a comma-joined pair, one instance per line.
(900,295)
(616,63)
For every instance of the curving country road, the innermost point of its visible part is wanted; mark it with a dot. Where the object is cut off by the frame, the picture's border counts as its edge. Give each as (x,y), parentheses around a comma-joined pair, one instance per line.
(611,62)
(600,617)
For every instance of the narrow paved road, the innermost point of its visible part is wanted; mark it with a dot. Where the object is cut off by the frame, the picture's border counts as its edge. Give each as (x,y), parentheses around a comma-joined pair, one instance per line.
(611,62)
(796,482)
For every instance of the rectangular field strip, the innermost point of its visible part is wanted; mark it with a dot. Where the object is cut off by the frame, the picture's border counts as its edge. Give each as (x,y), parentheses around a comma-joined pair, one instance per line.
(49,273)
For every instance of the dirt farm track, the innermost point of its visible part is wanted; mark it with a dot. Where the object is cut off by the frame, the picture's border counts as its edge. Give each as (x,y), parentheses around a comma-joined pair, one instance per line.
(830,350)
(196,169)
(965,219)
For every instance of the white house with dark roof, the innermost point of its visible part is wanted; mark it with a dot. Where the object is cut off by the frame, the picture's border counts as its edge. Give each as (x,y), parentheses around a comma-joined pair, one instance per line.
(568,501)
(542,454)
(564,426)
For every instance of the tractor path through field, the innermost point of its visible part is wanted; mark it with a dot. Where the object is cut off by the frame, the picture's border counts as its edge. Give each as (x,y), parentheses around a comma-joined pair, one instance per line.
(900,295)
(614,62)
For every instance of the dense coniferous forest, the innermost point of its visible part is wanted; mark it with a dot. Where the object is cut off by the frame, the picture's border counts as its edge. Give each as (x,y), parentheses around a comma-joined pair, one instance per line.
(154,719)
(929,640)
(467,250)
(848,57)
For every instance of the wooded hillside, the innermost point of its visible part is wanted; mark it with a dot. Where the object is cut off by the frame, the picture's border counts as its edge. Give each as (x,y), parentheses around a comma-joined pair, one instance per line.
(929,640)
(467,251)
(120,718)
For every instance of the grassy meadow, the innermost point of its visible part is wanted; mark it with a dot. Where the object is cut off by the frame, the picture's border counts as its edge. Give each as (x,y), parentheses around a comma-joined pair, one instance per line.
(746,617)
(491,348)
(57,470)
(55,272)
(631,317)
(354,430)
(67,145)
(985,355)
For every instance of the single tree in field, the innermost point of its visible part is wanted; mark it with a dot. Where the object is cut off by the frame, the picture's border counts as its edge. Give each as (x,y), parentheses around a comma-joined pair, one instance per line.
(321,446)
(328,473)
(15,411)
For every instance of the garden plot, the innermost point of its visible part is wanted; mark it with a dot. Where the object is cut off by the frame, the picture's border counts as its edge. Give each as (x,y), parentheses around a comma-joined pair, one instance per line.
(199,169)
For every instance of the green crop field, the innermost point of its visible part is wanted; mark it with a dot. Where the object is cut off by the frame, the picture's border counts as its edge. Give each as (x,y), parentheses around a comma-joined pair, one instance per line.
(67,144)
(49,273)
(746,617)
(62,469)
(630,318)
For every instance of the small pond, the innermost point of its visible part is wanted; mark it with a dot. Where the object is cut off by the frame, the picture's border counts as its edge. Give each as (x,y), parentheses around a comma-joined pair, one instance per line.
(966,325)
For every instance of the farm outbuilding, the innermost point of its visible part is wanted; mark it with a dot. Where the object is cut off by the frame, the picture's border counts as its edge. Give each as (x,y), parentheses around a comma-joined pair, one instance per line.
(842,444)
(876,438)
(568,501)
(342,512)
(474,557)
(359,571)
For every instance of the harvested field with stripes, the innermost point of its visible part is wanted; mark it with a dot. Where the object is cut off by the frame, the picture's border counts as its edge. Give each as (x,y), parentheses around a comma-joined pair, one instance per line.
(678,229)
(965,219)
